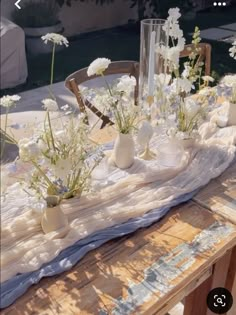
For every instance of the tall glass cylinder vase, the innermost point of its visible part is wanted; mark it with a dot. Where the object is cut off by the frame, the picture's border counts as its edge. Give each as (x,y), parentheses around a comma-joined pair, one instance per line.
(151,62)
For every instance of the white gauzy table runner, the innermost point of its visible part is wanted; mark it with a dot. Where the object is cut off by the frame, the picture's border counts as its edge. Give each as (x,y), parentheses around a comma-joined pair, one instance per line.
(123,195)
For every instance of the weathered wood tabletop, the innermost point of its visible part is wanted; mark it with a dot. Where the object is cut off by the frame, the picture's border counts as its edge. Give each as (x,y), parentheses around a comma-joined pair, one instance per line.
(190,251)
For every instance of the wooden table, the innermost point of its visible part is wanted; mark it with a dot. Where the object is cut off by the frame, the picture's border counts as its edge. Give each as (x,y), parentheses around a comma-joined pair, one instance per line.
(185,255)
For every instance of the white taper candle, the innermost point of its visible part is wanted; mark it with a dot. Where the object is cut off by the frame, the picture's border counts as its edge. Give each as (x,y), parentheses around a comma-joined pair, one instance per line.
(167,45)
(151,64)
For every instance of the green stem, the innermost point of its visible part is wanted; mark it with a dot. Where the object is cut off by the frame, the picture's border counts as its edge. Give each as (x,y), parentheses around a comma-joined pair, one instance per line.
(107,84)
(10,140)
(5,133)
(76,179)
(191,122)
(50,129)
(52,70)
(43,174)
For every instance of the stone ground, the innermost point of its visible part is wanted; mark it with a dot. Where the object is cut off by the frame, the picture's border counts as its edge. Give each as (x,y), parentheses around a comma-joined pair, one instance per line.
(224,33)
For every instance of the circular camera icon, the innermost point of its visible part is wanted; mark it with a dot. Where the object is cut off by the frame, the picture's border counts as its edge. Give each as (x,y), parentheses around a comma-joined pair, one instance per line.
(219,300)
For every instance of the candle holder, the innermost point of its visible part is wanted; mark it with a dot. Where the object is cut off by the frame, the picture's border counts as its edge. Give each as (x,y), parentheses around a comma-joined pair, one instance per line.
(151,63)
(144,136)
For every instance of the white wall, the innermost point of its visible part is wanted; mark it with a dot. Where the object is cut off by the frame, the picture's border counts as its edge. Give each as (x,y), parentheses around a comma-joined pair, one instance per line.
(84,17)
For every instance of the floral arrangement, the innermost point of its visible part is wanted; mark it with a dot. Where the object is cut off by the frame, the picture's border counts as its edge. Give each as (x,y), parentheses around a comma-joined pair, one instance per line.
(117,101)
(227,88)
(172,106)
(61,156)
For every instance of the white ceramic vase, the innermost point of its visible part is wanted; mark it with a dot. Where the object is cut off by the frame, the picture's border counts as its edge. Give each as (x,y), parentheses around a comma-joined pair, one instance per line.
(188,143)
(124,151)
(232,114)
(54,220)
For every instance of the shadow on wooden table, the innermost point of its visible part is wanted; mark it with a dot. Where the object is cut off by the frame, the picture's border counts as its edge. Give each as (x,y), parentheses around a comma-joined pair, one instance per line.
(89,285)
(106,273)
(10,151)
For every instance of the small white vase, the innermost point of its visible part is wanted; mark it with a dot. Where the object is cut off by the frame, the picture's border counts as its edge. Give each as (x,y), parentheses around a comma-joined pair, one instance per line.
(188,143)
(124,151)
(232,115)
(54,220)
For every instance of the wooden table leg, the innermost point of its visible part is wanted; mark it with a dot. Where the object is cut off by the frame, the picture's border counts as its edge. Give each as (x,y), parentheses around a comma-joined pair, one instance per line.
(196,301)
(231,281)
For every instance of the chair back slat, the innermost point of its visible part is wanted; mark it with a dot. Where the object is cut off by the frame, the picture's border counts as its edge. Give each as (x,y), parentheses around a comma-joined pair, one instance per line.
(116,67)
(204,54)
(75,89)
(77,78)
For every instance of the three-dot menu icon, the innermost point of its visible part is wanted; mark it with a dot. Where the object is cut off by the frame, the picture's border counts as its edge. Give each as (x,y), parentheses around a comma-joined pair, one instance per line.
(219,4)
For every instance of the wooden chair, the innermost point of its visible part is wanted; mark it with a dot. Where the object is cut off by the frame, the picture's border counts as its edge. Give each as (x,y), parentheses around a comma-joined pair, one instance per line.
(204,55)
(73,81)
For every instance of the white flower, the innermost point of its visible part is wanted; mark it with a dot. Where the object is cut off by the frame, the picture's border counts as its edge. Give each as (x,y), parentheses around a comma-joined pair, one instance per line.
(162,79)
(62,136)
(28,149)
(191,107)
(181,42)
(67,109)
(50,105)
(232,50)
(56,39)
(186,72)
(15,98)
(9,100)
(62,169)
(174,14)
(126,84)
(175,31)
(208,78)
(175,35)
(229,80)
(171,27)
(42,145)
(181,85)
(98,66)
(173,55)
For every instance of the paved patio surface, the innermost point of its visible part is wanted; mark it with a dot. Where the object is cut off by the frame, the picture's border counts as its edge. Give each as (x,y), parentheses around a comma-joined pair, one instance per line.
(231,26)
(217,33)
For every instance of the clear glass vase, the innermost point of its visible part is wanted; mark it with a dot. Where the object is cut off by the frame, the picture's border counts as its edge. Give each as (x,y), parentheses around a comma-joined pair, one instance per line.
(151,62)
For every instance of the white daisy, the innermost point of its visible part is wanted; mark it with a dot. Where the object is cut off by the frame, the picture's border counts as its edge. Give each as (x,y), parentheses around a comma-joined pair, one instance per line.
(98,66)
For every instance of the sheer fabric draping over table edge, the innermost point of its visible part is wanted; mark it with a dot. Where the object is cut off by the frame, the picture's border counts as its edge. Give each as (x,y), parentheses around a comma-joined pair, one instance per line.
(147,186)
